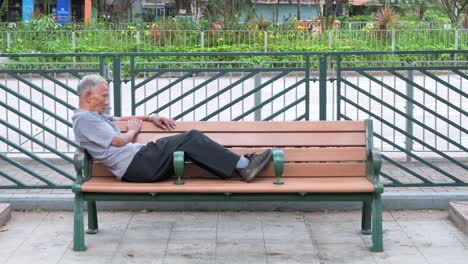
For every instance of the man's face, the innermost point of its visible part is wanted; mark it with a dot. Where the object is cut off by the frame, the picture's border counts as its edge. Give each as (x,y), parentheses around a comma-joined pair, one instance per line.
(99,98)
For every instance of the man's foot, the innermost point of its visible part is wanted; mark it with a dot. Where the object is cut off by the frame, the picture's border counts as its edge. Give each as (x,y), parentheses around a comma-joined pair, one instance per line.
(256,164)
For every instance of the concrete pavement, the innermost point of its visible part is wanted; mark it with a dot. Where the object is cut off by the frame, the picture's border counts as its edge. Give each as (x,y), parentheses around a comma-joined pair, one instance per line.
(423,236)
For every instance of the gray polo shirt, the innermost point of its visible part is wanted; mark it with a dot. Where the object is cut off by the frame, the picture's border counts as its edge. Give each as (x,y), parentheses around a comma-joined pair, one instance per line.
(95,132)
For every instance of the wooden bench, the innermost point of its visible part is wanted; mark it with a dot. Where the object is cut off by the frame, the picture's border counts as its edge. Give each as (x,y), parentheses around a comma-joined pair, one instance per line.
(313,161)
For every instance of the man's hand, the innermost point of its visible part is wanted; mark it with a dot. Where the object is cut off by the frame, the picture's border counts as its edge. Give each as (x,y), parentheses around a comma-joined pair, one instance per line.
(134,125)
(163,122)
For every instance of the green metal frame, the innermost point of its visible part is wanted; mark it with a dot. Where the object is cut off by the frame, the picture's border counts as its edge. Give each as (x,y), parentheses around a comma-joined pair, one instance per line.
(305,64)
(408,133)
(371,210)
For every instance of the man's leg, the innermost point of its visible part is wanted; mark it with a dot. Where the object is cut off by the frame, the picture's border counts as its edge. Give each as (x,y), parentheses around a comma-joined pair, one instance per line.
(203,151)
(154,161)
(210,155)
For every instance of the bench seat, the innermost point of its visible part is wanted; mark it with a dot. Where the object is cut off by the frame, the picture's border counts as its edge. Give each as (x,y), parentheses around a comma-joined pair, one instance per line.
(206,185)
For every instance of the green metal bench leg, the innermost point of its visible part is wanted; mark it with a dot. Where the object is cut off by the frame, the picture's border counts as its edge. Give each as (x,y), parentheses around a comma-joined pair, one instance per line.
(366,218)
(78,226)
(92,218)
(377,232)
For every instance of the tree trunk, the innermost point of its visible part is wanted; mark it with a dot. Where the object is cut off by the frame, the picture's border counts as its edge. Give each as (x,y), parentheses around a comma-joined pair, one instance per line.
(465,22)
(298,9)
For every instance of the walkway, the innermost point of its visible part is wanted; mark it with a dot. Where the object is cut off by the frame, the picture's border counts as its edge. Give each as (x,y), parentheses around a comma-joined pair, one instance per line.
(412,237)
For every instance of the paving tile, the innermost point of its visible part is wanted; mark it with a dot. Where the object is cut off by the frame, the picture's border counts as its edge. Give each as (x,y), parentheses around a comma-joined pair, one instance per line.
(434,233)
(192,252)
(140,251)
(102,246)
(241,252)
(419,215)
(340,216)
(260,216)
(239,231)
(445,254)
(335,232)
(290,252)
(286,232)
(398,248)
(345,253)
(17,231)
(144,241)
(47,243)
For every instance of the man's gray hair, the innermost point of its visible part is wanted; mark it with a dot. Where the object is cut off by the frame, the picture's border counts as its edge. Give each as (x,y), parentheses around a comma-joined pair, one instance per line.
(90,82)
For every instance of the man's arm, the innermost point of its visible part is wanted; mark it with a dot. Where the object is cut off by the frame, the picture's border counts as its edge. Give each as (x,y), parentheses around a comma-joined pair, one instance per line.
(159,121)
(142,118)
(133,127)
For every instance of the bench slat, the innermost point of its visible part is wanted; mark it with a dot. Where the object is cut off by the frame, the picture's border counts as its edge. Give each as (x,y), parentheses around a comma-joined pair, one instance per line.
(257,126)
(292,185)
(349,139)
(290,170)
(314,154)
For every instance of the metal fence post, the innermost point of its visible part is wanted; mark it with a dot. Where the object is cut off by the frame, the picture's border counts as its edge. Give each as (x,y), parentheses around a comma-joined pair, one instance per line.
(456,45)
(9,40)
(117,86)
(74,44)
(307,87)
(330,40)
(265,41)
(338,87)
(258,94)
(393,40)
(202,40)
(409,113)
(138,41)
(323,87)
(73,41)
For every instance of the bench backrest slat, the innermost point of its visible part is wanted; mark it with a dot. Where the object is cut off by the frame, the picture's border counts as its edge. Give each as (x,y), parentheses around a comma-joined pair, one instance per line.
(260,126)
(285,139)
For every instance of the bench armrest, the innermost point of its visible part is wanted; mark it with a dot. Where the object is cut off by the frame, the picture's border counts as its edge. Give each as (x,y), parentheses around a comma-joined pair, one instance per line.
(374,165)
(83,166)
(278,162)
(78,162)
(179,163)
(376,158)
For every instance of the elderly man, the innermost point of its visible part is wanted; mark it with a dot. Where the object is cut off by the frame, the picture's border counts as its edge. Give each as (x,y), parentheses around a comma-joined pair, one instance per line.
(133,162)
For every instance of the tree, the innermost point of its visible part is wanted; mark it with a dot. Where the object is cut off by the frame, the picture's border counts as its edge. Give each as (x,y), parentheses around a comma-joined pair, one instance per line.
(298,9)
(199,8)
(184,4)
(115,10)
(454,8)
(328,13)
(226,11)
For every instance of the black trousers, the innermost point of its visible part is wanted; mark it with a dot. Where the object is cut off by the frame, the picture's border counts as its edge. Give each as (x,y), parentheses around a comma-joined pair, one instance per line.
(154,162)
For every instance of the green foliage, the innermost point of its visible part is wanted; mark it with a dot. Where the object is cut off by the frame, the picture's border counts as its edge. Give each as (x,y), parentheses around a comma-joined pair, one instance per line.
(184,36)
(44,23)
(436,15)
(360,18)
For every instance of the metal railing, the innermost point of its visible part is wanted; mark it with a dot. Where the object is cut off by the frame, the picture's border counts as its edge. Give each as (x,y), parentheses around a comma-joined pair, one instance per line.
(420,108)
(159,40)
(345,25)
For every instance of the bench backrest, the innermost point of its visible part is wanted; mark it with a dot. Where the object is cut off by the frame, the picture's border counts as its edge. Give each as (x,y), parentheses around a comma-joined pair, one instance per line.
(311,148)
